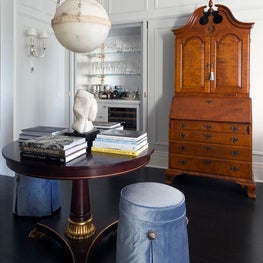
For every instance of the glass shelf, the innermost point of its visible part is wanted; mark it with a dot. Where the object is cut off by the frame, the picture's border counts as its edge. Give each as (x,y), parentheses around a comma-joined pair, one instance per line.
(113,53)
(113,74)
(117,62)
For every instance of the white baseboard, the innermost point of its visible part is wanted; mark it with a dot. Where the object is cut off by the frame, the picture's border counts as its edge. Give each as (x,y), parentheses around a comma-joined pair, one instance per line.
(258,172)
(159,160)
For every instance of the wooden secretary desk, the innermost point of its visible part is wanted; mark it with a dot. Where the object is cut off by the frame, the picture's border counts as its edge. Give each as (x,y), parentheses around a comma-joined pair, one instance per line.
(210,121)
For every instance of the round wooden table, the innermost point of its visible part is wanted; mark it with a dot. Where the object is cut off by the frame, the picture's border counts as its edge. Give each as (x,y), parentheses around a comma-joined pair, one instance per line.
(81,232)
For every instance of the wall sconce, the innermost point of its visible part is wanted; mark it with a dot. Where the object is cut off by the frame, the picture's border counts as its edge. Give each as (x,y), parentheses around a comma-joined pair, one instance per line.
(37,45)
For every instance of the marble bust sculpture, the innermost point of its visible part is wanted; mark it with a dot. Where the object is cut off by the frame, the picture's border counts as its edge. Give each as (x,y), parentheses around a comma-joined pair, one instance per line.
(85,110)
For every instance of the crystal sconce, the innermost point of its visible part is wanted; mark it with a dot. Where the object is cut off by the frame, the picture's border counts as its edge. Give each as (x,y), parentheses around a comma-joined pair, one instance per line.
(37,45)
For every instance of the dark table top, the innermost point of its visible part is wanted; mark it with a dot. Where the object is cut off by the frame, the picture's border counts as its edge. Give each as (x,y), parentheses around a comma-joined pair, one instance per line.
(91,165)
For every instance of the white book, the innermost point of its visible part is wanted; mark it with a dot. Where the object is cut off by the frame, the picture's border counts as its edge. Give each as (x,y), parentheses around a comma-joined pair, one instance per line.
(115,128)
(129,135)
(119,140)
(105,124)
(118,145)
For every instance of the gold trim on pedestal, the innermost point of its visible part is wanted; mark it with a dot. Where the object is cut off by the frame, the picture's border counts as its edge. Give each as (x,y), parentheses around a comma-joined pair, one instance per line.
(80,230)
(34,234)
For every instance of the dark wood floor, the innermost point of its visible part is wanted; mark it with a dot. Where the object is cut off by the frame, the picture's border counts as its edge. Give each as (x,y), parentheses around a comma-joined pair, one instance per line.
(224,225)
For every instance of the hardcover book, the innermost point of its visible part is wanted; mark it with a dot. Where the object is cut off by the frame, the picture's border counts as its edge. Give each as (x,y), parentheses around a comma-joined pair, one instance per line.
(61,142)
(120,144)
(119,140)
(129,135)
(54,152)
(119,151)
(43,130)
(53,158)
(105,124)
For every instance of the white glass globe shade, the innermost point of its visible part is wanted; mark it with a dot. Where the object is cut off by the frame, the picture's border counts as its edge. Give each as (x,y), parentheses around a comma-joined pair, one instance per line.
(81,29)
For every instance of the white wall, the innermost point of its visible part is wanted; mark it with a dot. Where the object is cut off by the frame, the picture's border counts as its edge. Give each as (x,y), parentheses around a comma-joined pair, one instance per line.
(41,96)
(6,76)
(33,98)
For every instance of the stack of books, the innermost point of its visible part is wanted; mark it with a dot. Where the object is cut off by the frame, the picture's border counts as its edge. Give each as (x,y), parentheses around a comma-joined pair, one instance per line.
(104,125)
(125,142)
(59,148)
(37,131)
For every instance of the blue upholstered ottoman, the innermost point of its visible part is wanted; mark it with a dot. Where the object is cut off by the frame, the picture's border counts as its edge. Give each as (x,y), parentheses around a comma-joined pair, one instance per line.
(35,197)
(152,225)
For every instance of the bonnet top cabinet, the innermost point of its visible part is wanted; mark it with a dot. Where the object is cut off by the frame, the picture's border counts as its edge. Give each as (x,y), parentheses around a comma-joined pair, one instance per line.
(212,54)
(210,120)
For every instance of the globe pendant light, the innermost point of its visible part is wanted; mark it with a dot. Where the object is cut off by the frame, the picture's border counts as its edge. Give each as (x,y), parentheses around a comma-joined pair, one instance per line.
(81,26)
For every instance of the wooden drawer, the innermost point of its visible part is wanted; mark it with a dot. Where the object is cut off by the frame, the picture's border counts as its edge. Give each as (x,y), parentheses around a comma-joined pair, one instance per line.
(210,126)
(210,165)
(211,150)
(211,137)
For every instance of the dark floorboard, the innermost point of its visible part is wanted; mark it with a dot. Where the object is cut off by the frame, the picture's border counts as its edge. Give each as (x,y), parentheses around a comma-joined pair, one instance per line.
(224,225)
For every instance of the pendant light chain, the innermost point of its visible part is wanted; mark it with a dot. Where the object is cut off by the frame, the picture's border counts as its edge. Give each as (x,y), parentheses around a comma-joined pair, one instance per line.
(79,13)
(58,3)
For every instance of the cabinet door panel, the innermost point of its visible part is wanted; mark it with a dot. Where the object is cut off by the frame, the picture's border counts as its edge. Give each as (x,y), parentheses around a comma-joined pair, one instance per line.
(120,6)
(160,80)
(230,62)
(191,68)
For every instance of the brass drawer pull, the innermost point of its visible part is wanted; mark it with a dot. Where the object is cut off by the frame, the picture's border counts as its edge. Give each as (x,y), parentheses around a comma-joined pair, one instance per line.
(209,101)
(208,126)
(182,135)
(207,148)
(234,128)
(207,135)
(234,139)
(182,162)
(182,125)
(234,153)
(207,161)
(234,169)
(182,148)
(248,130)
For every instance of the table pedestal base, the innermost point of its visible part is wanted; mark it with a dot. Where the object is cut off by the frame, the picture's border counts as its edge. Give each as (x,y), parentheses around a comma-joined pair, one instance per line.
(82,230)
(80,250)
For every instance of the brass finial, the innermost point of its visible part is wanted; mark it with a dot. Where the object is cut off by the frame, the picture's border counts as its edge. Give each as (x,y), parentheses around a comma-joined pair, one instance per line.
(217,18)
(210,4)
